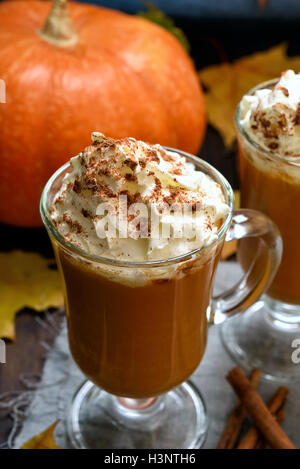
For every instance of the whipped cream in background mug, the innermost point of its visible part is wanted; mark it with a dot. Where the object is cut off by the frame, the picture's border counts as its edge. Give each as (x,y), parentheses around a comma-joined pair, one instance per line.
(271,116)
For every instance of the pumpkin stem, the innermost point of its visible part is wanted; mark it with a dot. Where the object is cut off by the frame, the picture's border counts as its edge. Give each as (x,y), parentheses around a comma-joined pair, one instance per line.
(59,29)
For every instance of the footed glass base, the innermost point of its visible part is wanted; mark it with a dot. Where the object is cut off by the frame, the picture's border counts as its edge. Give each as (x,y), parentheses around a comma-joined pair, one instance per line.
(266,336)
(98,419)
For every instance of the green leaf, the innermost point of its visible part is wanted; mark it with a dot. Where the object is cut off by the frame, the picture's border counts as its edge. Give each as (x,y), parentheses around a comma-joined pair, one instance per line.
(155,15)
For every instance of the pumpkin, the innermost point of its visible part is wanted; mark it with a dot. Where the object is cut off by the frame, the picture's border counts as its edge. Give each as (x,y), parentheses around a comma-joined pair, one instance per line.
(88,68)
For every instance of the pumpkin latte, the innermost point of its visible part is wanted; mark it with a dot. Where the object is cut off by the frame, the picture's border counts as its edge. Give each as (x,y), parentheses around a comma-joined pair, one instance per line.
(136,314)
(269,159)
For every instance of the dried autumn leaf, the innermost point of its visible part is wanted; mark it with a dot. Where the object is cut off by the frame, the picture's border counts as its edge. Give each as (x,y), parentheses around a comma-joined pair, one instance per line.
(44,440)
(26,281)
(227,83)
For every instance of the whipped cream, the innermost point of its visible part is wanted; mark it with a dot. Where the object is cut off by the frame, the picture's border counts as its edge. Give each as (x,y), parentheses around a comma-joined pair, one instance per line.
(271,117)
(127,171)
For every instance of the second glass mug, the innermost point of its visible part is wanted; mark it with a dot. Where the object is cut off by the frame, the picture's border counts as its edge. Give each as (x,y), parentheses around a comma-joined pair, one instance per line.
(138,330)
(268,333)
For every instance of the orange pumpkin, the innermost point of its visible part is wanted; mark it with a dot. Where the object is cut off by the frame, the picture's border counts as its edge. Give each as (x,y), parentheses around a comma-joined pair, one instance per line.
(97,69)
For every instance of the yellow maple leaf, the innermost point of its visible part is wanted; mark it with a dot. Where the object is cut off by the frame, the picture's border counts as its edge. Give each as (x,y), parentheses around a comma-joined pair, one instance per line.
(26,281)
(228,82)
(44,440)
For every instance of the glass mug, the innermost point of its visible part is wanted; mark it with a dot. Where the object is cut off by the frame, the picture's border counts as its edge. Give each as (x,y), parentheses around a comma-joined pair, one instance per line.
(138,335)
(267,334)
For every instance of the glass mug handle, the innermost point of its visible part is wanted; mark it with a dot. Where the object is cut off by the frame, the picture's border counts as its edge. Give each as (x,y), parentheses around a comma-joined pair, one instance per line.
(248,223)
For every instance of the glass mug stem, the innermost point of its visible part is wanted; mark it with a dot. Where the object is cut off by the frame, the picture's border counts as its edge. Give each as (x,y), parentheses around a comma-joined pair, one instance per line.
(137,404)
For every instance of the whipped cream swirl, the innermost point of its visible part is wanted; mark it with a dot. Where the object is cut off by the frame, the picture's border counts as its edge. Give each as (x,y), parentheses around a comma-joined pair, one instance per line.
(271,117)
(145,174)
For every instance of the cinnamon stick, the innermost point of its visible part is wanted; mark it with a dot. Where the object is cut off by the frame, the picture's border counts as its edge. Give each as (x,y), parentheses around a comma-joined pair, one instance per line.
(236,419)
(252,437)
(279,417)
(258,411)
